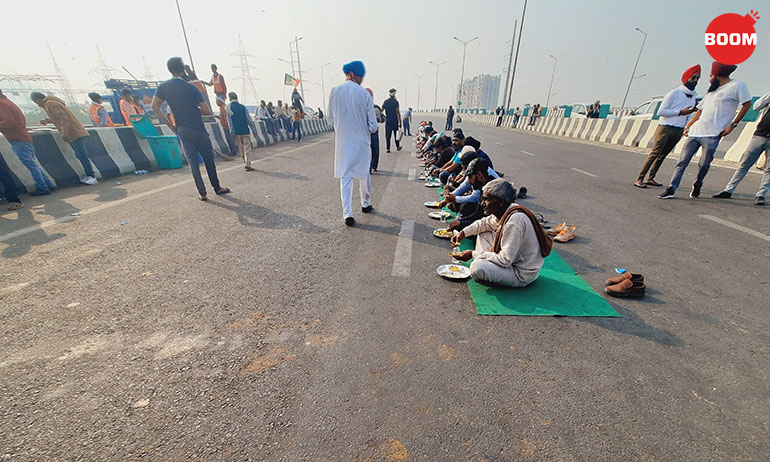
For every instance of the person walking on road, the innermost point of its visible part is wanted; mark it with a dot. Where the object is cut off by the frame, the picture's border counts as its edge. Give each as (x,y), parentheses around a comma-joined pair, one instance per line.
(499,111)
(72,131)
(392,120)
(218,82)
(13,126)
(449,118)
(188,106)
(240,122)
(674,112)
(516,116)
(715,119)
(375,162)
(759,142)
(351,113)
(407,122)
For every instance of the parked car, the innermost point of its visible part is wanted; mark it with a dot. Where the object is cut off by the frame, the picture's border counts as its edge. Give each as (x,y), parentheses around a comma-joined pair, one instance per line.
(646,110)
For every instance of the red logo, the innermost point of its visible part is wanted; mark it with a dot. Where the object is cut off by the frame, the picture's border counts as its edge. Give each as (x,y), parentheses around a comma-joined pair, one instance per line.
(731,38)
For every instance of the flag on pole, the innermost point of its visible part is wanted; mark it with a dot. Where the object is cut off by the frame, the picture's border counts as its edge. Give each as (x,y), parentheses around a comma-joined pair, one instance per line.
(288,80)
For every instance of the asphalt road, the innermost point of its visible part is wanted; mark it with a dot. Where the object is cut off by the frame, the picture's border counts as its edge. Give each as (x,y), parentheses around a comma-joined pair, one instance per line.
(149,325)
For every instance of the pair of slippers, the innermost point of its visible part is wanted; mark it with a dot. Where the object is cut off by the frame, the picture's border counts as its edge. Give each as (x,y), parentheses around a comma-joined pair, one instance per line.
(562,232)
(627,285)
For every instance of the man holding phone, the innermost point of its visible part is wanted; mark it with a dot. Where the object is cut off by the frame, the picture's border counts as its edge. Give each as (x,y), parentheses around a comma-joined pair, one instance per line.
(674,112)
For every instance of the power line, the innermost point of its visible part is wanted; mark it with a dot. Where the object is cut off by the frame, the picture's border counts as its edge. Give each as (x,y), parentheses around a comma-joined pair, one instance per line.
(246,78)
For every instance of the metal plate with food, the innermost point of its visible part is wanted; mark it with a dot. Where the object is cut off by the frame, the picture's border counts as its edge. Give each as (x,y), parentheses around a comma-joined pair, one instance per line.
(453,271)
(437,215)
(432,204)
(443,233)
(433,184)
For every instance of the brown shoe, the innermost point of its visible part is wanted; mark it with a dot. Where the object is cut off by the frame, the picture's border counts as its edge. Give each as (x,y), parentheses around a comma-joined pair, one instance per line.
(618,279)
(222,190)
(651,182)
(639,184)
(626,289)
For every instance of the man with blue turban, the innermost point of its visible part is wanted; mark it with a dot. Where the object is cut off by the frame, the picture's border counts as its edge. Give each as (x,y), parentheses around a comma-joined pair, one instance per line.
(351,113)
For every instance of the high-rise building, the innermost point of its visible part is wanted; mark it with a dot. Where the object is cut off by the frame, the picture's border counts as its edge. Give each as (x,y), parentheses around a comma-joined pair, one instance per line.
(481,91)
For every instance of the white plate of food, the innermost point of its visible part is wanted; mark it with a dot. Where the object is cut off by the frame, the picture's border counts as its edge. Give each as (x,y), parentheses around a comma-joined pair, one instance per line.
(443,233)
(437,215)
(454,271)
(432,204)
(432,184)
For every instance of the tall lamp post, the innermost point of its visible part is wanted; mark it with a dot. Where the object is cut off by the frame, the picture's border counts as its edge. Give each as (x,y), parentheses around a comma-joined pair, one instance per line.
(637,63)
(419,80)
(323,89)
(462,71)
(548,99)
(435,97)
(184,32)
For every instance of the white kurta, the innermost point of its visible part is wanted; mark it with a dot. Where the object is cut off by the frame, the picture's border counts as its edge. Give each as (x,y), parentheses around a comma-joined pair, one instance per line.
(351,112)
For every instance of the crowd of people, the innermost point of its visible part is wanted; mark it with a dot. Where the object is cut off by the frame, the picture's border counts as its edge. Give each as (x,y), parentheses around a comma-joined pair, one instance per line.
(175,101)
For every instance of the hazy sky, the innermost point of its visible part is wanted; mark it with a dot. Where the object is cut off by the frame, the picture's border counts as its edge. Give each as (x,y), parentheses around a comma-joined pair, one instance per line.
(594,42)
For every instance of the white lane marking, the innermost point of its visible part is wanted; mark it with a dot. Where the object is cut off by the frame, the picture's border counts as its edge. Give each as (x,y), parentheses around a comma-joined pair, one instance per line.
(732,225)
(107,205)
(584,172)
(498,143)
(412,174)
(528,153)
(402,260)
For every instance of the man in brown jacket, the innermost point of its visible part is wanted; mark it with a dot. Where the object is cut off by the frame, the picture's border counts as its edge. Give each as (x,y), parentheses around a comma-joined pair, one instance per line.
(72,131)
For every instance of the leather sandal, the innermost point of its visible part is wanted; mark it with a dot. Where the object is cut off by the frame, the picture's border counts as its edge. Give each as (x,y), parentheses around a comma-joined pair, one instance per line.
(618,279)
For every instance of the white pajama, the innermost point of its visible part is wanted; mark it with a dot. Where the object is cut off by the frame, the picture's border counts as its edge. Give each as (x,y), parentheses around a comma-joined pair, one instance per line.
(346,190)
(485,270)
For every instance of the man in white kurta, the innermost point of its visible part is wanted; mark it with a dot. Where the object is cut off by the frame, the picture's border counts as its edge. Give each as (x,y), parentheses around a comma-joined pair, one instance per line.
(351,113)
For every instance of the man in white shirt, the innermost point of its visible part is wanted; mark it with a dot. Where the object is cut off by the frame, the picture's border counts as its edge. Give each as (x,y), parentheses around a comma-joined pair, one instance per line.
(759,142)
(509,249)
(674,112)
(715,118)
(263,114)
(351,113)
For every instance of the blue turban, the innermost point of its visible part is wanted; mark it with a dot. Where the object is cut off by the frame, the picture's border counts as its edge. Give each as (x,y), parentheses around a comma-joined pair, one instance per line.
(356,67)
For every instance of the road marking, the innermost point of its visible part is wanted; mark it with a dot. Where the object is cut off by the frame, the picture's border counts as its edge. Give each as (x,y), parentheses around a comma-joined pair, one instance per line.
(584,172)
(498,143)
(528,153)
(107,205)
(402,260)
(412,173)
(735,226)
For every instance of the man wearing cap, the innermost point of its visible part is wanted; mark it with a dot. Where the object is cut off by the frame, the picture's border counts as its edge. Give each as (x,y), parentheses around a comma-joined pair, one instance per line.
(758,143)
(351,113)
(674,112)
(392,120)
(715,119)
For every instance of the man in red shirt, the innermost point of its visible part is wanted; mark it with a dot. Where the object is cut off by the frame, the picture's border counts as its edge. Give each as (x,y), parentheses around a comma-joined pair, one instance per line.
(13,126)
(218,82)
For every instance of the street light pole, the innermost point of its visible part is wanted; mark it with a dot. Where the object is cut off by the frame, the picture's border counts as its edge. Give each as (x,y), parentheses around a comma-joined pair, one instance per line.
(435,97)
(637,63)
(323,88)
(184,32)
(419,80)
(518,45)
(548,99)
(462,71)
(299,67)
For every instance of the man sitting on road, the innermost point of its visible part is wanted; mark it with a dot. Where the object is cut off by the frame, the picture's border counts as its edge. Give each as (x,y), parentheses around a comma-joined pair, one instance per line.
(471,141)
(466,192)
(478,174)
(451,168)
(511,246)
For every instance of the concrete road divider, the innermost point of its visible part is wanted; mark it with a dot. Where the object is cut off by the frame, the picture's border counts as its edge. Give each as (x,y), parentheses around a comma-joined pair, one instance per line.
(117,151)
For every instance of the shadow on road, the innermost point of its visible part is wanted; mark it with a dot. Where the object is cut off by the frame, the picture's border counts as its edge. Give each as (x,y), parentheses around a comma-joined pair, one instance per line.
(21,245)
(261,217)
(283,176)
(631,324)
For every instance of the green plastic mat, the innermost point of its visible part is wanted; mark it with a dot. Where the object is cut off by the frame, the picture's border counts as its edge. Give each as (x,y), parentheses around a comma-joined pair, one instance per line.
(558,291)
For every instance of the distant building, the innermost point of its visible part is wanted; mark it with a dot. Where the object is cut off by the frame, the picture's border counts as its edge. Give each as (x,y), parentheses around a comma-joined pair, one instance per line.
(481,91)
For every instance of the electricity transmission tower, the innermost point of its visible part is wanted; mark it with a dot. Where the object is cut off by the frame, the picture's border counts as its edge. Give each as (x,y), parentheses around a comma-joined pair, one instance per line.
(249,92)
